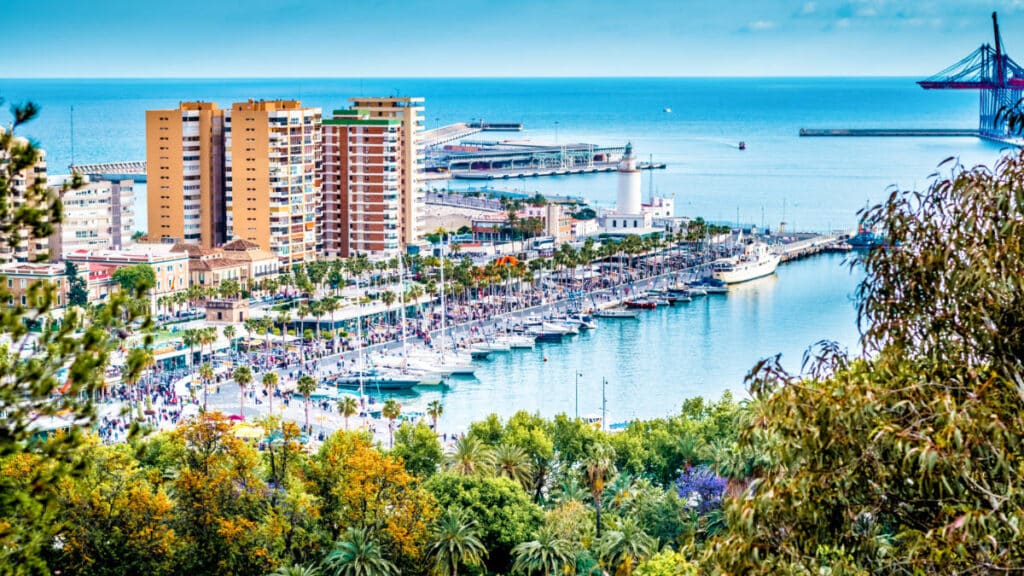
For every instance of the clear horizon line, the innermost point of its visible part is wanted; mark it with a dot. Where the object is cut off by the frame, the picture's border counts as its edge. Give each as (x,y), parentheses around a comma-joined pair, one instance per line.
(419,77)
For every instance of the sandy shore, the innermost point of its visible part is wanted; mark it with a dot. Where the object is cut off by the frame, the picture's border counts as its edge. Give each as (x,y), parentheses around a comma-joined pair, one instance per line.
(449,217)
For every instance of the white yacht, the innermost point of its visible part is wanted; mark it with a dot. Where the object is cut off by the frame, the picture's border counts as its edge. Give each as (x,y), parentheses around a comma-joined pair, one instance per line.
(756,261)
(517,341)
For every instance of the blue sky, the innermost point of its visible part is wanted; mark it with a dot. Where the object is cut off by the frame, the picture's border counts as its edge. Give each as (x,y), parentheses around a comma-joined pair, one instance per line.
(394,38)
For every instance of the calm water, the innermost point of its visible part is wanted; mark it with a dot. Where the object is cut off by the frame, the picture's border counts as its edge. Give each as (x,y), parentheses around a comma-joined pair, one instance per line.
(701,348)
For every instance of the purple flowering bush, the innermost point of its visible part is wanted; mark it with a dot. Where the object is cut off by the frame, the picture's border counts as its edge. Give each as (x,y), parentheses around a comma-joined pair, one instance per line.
(701,489)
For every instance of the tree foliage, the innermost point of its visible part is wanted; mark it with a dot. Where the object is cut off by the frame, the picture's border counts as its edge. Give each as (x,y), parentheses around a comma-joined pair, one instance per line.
(135,277)
(504,512)
(907,461)
(47,380)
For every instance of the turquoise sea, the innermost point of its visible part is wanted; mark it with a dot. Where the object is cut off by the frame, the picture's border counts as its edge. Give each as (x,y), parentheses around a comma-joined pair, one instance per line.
(699,349)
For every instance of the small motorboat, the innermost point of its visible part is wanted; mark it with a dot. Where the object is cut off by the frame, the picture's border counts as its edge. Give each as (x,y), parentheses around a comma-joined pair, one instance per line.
(743,145)
(582,322)
(518,341)
(620,313)
(641,303)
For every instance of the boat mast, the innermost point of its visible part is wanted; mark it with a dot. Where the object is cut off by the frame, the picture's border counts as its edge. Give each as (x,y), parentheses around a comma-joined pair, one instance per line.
(359,338)
(444,310)
(401,288)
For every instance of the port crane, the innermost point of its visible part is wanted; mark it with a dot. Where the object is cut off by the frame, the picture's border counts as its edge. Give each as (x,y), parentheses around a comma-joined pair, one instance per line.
(994,74)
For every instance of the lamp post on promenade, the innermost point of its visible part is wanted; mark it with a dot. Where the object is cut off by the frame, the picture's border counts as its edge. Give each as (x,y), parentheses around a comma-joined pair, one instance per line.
(578,374)
(604,402)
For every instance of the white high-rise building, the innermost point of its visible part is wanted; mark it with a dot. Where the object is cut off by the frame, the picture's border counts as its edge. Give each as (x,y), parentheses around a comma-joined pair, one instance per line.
(97,215)
(629,198)
(29,248)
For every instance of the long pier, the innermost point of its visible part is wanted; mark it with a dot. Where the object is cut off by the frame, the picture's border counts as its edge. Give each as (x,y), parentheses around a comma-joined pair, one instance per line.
(892,132)
(811,246)
(130,170)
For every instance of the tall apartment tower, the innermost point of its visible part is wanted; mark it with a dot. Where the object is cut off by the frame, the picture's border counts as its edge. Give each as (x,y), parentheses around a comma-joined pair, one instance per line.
(272,172)
(185,174)
(409,112)
(361,187)
(27,249)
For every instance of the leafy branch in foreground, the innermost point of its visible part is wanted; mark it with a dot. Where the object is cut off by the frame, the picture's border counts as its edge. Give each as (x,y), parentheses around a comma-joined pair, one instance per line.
(907,461)
(50,368)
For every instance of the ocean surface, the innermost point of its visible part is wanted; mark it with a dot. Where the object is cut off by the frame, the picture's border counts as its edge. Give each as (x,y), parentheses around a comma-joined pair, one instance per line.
(651,365)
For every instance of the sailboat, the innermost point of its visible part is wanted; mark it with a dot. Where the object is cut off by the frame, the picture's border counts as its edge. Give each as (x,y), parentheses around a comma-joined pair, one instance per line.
(443,361)
(364,374)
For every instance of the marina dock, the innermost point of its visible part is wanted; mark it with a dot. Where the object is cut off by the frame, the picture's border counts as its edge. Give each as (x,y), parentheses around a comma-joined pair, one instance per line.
(812,245)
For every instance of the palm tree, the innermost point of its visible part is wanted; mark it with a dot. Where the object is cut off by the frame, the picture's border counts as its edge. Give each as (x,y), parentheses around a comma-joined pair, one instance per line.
(330,306)
(622,549)
(356,554)
(229,333)
(283,318)
(267,326)
(570,490)
(296,570)
(348,406)
(512,462)
(190,338)
(546,554)
(243,377)
(206,376)
(471,457)
(270,384)
(316,309)
(305,309)
(207,336)
(435,409)
(251,325)
(455,542)
(599,466)
(388,298)
(391,410)
(306,386)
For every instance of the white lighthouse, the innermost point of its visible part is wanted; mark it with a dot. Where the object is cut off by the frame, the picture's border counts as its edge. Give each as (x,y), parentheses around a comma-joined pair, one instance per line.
(629,184)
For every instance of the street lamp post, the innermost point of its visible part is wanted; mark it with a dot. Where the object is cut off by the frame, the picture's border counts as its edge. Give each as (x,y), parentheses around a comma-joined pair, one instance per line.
(556,132)
(604,402)
(578,374)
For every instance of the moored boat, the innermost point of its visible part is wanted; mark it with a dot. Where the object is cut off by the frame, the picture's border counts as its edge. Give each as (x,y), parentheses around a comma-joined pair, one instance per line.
(641,303)
(620,313)
(756,261)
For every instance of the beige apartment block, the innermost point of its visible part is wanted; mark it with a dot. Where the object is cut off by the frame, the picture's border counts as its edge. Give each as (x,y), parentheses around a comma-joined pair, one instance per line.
(272,174)
(185,174)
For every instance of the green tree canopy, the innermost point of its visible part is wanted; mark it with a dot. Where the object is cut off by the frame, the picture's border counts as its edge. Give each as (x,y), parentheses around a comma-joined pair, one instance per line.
(502,509)
(135,277)
(419,449)
(78,289)
(908,460)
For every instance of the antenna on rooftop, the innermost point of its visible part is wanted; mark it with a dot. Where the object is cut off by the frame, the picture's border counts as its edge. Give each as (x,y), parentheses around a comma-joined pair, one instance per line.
(651,179)
(72,136)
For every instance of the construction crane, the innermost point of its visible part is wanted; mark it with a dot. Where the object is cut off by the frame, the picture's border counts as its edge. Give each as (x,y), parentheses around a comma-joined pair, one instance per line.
(994,74)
